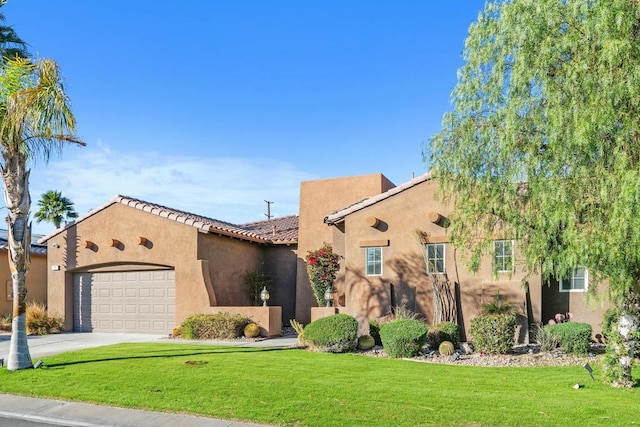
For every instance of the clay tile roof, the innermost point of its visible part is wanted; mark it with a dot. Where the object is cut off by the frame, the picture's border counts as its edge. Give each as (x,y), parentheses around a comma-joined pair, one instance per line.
(36,248)
(278,230)
(338,216)
(286,227)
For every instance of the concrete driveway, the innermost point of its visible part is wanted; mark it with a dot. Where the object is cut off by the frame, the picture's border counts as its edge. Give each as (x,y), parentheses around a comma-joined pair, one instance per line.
(48,345)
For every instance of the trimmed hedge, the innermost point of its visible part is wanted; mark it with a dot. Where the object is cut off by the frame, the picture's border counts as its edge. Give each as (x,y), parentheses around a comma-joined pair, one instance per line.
(573,337)
(334,334)
(214,326)
(493,333)
(445,331)
(403,337)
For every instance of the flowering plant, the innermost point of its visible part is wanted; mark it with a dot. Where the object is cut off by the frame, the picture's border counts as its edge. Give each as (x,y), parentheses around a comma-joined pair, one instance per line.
(322,266)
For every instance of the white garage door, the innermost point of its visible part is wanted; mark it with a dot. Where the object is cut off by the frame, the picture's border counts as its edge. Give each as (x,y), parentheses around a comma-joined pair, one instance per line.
(131,301)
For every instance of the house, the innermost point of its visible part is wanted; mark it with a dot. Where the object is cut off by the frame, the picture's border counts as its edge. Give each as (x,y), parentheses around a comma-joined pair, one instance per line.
(36,280)
(395,247)
(136,266)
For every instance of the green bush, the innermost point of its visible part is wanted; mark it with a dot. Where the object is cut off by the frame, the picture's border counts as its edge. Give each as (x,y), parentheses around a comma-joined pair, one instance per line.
(403,337)
(493,333)
(374,331)
(218,326)
(573,337)
(445,331)
(335,334)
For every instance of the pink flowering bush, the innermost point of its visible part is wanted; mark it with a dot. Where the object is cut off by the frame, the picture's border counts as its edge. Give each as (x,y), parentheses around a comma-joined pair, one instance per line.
(322,266)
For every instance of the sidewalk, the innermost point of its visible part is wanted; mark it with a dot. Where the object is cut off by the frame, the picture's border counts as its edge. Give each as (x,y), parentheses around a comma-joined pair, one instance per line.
(74,414)
(61,413)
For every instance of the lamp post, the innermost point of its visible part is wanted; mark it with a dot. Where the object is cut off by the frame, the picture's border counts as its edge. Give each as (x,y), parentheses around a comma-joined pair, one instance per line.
(328,296)
(264,296)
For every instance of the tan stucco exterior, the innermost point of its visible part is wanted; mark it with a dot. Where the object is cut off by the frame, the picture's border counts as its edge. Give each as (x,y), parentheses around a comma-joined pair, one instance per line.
(209,267)
(396,221)
(36,281)
(317,199)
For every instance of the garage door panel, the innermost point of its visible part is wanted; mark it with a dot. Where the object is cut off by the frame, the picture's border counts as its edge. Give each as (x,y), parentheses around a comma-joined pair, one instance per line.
(124,302)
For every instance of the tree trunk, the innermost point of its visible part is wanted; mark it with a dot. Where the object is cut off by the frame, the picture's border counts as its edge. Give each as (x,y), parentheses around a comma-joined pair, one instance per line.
(15,177)
(621,345)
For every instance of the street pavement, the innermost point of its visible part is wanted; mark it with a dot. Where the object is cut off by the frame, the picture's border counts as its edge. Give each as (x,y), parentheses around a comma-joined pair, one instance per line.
(19,411)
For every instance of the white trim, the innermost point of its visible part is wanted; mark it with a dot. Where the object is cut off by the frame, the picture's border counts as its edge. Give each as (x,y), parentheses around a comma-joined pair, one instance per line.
(571,289)
(444,258)
(513,257)
(366,261)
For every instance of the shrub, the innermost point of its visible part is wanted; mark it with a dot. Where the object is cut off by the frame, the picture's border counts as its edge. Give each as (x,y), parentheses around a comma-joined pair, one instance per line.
(6,322)
(374,331)
(335,334)
(176,331)
(40,322)
(497,306)
(573,337)
(255,281)
(544,338)
(299,328)
(446,348)
(445,331)
(214,326)
(366,342)
(251,330)
(494,333)
(403,337)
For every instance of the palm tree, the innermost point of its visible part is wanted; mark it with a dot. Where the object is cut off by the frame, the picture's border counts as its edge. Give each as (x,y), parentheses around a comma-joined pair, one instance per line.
(55,208)
(35,121)
(11,46)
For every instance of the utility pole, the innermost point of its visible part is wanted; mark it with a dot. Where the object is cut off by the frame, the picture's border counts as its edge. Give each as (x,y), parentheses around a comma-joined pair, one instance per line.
(268,214)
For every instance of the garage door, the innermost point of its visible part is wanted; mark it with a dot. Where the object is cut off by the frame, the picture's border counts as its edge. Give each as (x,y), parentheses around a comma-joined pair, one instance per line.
(132,302)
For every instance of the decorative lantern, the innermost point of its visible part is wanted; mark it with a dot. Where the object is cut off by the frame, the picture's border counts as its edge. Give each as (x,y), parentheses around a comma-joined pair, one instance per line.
(264,296)
(328,296)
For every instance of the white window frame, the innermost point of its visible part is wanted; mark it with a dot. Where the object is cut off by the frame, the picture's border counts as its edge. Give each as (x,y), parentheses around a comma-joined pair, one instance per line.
(374,263)
(435,259)
(571,281)
(499,266)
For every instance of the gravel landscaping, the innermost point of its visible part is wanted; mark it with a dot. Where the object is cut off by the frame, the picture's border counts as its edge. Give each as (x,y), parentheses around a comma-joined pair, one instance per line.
(522,356)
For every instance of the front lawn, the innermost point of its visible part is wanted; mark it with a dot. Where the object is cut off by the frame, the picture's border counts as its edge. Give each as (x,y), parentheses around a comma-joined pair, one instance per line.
(295,387)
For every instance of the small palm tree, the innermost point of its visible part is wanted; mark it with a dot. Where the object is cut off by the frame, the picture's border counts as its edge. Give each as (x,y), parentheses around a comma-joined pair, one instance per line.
(35,121)
(55,208)
(11,46)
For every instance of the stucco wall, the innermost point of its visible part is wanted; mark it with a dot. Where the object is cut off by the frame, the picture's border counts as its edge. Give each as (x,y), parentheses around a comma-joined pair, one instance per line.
(404,280)
(169,244)
(36,281)
(317,200)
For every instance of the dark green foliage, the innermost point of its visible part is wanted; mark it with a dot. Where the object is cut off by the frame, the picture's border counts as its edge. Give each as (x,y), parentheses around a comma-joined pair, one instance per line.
(494,333)
(403,337)
(498,306)
(374,331)
(573,337)
(445,331)
(255,281)
(214,326)
(335,334)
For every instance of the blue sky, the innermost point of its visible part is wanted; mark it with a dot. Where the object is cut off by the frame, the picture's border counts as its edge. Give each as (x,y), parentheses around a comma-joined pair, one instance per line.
(213,107)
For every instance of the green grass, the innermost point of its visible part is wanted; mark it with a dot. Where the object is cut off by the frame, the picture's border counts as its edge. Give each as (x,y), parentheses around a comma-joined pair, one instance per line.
(295,387)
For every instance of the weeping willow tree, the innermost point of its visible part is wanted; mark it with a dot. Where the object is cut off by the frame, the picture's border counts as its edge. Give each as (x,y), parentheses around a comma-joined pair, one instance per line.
(35,121)
(543,144)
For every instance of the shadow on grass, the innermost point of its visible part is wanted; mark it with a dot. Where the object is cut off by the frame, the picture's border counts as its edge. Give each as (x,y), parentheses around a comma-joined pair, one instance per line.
(183,353)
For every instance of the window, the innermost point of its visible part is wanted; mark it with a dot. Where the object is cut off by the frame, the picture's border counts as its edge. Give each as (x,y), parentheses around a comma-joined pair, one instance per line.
(503,256)
(373,260)
(578,282)
(435,258)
